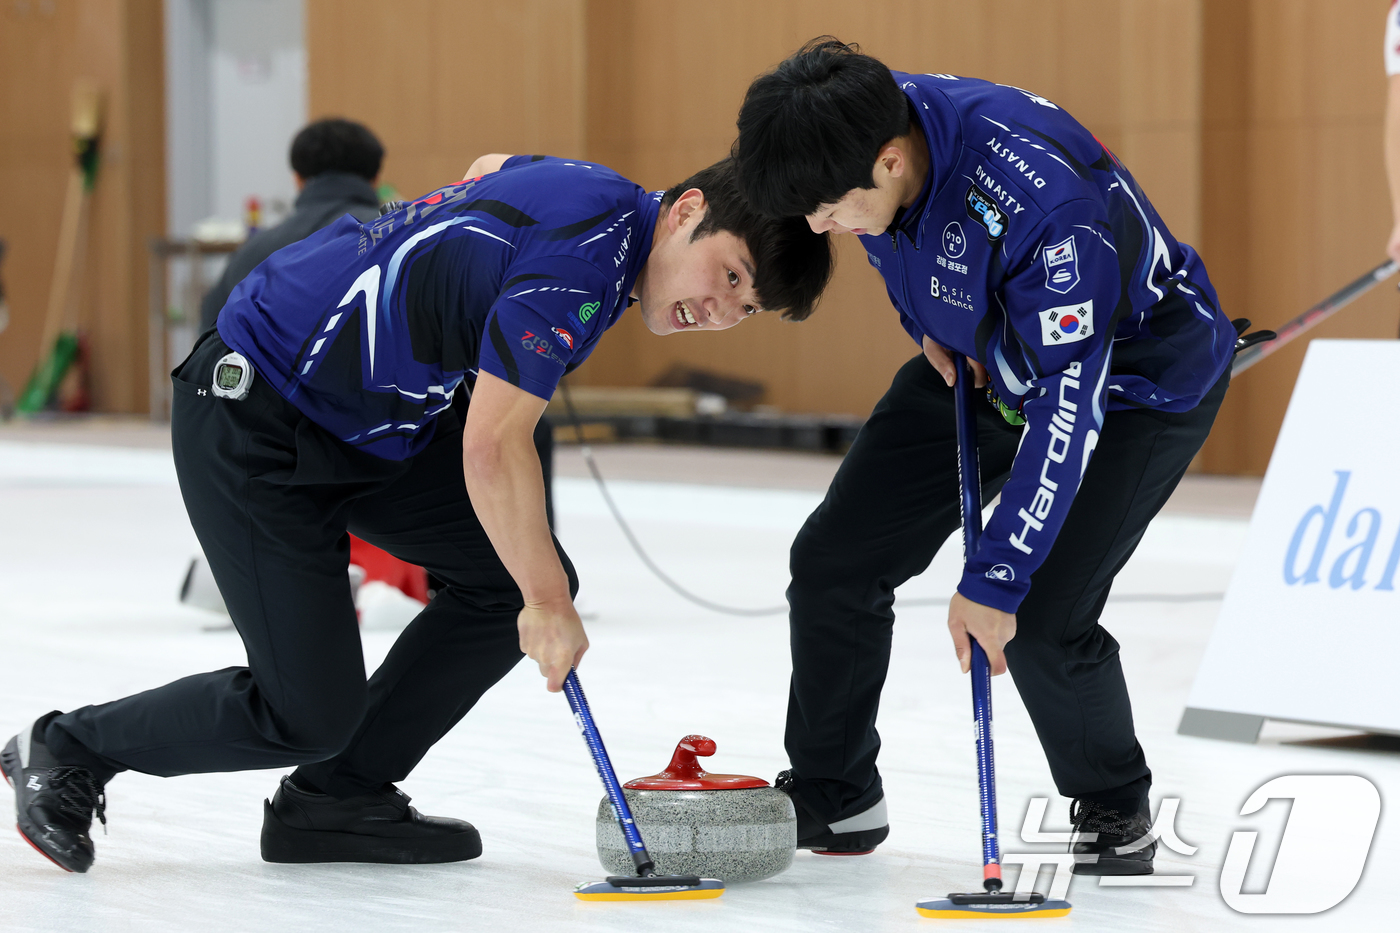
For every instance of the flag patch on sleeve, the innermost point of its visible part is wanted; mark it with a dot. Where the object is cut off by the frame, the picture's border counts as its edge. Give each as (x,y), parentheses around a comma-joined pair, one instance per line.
(1067,323)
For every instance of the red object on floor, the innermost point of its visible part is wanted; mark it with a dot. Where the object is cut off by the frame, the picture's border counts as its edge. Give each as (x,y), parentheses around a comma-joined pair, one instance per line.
(383,566)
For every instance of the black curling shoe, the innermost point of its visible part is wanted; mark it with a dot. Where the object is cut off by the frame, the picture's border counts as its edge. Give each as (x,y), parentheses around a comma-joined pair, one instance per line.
(54,804)
(1123,845)
(854,835)
(301,826)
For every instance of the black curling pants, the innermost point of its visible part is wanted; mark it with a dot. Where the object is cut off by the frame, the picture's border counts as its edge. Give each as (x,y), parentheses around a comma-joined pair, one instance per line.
(893,502)
(271,497)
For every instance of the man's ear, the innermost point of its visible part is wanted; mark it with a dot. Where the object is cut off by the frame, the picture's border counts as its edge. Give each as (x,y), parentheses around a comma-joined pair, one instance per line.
(686,211)
(892,160)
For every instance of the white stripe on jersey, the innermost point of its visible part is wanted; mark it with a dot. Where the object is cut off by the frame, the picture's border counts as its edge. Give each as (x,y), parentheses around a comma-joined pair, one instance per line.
(1392,39)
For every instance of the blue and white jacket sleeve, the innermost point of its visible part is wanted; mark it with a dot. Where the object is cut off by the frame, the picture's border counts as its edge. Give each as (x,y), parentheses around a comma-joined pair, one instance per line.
(1060,303)
(546,324)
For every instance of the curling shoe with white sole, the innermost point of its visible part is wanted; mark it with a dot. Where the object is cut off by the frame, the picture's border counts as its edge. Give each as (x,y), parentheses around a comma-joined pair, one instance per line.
(54,803)
(302,826)
(857,834)
(1107,842)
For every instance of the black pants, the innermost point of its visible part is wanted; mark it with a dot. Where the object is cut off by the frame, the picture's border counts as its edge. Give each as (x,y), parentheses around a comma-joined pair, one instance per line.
(271,497)
(891,505)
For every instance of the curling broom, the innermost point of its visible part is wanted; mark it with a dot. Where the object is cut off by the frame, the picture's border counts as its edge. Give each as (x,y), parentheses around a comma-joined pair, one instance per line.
(991,902)
(1251,348)
(646,885)
(59,348)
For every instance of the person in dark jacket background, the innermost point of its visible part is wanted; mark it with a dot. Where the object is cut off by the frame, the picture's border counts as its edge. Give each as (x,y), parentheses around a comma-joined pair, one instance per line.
(336,163)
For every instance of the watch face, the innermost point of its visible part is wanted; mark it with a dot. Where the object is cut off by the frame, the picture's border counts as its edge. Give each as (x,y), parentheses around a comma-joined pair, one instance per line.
(228,376)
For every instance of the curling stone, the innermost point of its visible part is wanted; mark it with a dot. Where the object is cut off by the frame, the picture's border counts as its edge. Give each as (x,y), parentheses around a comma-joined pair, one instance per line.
(728,826)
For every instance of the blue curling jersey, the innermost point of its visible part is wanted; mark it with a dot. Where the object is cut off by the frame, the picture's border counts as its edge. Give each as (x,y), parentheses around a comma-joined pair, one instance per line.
(369,328)
(1033,251)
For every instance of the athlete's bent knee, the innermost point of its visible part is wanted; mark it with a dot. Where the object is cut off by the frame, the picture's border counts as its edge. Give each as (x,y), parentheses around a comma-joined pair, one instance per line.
(818,561)
(323,730)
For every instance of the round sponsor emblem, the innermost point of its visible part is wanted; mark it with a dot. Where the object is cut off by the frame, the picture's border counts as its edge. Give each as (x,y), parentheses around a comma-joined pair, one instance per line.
(1069,324)
(1002,572)
(954,243)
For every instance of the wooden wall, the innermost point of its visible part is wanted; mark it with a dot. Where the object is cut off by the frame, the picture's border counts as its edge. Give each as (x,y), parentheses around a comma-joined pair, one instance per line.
(1254,125)
(443,81)
(1293,192)
(685,79)
(44,46)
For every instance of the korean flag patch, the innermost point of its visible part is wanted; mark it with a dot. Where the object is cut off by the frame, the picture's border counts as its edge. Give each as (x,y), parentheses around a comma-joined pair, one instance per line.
(1067,324)
(1061,266)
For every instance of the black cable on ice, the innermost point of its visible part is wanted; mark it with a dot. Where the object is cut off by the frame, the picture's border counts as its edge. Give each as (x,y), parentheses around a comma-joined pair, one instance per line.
(704,603)
(632,538)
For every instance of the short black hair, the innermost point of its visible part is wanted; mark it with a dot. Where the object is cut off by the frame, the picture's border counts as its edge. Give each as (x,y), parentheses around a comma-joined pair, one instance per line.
(811,129)
(336,145)
(792,265)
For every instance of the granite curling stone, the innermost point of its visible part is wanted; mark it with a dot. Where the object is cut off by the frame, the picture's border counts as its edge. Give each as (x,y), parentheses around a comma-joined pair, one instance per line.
(728,826)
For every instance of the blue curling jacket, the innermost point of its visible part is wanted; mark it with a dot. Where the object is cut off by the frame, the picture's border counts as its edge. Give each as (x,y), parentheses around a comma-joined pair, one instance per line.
(1033,251)
(368,328)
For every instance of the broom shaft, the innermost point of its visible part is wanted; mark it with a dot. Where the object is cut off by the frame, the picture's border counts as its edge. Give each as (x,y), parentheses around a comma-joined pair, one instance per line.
(970,481)
(583,716)
(1314,316)
(63,263)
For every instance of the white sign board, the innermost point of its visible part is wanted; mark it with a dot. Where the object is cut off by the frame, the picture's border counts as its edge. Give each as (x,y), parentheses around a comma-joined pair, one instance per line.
(1310,627)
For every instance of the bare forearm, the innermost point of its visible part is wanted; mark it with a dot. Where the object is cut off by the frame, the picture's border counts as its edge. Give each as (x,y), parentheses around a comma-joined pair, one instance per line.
(1392,145)
(506,487)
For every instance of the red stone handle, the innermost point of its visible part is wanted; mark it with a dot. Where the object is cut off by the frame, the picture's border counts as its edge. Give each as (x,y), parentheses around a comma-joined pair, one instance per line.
(684,771)
(683,764)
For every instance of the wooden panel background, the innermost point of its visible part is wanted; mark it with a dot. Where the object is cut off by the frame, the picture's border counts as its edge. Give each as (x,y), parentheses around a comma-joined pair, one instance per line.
(1294,189)
(1254,125)
(443,81)
(843,358)
(661,83)
(44,46)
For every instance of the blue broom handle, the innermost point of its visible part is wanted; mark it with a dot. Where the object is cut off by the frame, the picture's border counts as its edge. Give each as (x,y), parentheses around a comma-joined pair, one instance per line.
(583,716)
(970,476)
(964,398)
(986,758)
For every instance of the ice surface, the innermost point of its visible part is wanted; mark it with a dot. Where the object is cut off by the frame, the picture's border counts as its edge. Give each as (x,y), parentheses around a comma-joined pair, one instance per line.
(93,545)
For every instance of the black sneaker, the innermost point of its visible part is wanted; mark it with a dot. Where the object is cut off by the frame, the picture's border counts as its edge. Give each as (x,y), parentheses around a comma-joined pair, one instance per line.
(301,826)
(1115,844)
(858,834)
(54,804)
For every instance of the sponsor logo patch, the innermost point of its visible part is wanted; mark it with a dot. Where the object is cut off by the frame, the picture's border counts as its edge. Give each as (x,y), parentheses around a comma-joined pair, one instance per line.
(587,310)
(539,345)
(566,337)
(1067,323)
(954,241)
(1002,572)
(957,297)
(983,209)
(1061,266)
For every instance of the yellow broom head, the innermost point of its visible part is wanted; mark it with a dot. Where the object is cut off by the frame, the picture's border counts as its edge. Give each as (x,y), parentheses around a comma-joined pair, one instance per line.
(992,906)
(651,888)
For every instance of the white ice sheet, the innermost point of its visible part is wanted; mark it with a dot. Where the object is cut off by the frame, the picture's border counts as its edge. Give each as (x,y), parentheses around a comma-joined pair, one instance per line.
(92,547)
